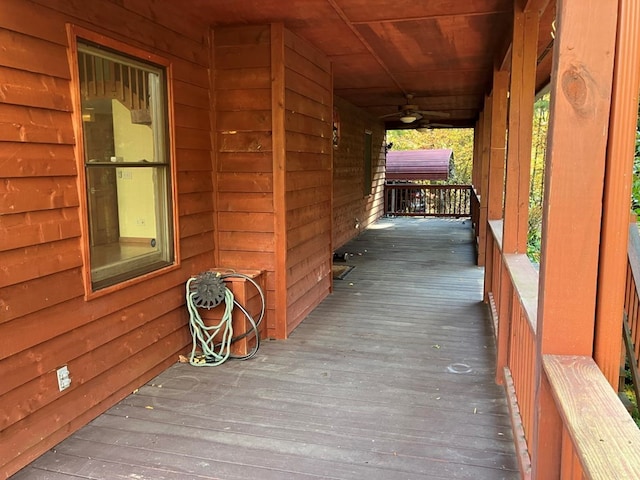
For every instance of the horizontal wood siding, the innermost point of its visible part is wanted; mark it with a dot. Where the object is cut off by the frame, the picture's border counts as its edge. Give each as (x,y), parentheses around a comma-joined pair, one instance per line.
(244,159)
(308,179)
(114,343)
(352,212)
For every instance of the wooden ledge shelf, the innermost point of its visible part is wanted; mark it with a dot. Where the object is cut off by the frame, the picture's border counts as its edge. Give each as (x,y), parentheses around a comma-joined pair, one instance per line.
(605,438)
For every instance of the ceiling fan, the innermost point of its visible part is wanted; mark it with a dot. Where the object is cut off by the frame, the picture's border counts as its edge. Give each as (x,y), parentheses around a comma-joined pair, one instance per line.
(426,125)
(409,113)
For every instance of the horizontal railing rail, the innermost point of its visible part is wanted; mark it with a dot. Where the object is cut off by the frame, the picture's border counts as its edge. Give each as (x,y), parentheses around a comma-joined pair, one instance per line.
(428,200)
(598,436)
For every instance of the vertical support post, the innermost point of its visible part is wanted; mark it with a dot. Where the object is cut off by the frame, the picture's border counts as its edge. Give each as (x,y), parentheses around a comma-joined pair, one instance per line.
(522,94)
(497,151)
(617,193)
(579,119)
(279,177)
(484,181)
(477,174)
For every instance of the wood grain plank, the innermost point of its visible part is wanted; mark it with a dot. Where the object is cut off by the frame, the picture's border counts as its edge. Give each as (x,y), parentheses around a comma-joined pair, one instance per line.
(34,228)
(36,160)
(239,162)
(588,404)
(40,293)
(192,117)
(245,222)
(232,141)
(243,78)
(190,160)
(20,369)
(30,397)
(27,124)
(310,107)
(20,87)
(246,241)
(132,26)
(246,202)
(55,416)
(198,202)
(19,16)
(251,55)
(192,182)
(245,182)
(235,35)
(253,120)
(196,224)
(231,99)
(19,195)
(192,95)
(23,52)
(26,264)
(30,330)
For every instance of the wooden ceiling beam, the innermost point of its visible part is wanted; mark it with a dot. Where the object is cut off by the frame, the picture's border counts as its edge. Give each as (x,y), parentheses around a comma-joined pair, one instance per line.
(430,17)
(366,44)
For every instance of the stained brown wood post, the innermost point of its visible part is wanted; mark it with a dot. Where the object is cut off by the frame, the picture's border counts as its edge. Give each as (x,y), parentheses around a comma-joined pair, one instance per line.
(279,176)
(497,151)
(484,180)
(477,169)
(617,193)
(521,99)
(574,178)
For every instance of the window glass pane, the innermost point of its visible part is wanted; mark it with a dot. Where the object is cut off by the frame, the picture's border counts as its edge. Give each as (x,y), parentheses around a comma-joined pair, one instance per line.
(126,165)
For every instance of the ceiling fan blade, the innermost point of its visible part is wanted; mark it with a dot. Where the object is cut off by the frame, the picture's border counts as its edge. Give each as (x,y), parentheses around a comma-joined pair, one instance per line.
(391,115)
(434,113)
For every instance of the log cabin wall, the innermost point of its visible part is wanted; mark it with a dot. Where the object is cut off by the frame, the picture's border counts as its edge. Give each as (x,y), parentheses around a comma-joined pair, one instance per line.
(308,181)
(114,343)
(273,166)
(352,209)
(244,154)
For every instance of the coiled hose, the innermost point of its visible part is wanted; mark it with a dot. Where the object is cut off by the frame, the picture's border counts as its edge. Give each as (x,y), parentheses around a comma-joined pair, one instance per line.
(207,290)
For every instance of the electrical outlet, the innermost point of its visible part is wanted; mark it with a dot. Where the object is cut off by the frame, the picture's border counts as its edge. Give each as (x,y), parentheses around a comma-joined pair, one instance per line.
(64,380)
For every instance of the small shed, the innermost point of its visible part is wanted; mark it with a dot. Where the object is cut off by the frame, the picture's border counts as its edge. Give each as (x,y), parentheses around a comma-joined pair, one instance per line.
(434,164)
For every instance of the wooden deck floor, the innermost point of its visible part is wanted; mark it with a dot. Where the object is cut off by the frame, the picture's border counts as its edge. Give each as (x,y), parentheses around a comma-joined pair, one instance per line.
(390,378)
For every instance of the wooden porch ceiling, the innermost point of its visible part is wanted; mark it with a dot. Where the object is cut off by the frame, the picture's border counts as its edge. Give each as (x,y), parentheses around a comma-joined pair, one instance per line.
(441,52)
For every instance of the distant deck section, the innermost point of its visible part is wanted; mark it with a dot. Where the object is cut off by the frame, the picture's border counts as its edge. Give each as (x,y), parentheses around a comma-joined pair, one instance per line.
(391,377)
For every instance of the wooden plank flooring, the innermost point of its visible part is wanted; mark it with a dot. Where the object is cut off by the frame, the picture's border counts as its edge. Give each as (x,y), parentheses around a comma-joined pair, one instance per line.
(391,377)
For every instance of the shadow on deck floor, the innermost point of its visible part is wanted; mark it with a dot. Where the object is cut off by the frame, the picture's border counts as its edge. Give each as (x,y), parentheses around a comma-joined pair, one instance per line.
(391,377)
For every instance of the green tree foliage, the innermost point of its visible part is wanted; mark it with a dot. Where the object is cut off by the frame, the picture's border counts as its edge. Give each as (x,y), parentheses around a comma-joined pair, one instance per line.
(635,189)
(460,140)
(536,182)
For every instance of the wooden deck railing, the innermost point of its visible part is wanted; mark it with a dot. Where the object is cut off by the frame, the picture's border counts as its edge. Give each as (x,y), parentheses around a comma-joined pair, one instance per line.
(631,332)
(428,200)
(598,438)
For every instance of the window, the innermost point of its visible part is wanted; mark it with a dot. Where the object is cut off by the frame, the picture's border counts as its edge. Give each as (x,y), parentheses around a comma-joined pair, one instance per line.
(127,165)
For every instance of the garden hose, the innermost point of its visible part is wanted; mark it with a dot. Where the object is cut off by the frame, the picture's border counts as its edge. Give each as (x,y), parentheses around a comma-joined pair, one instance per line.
(208,290)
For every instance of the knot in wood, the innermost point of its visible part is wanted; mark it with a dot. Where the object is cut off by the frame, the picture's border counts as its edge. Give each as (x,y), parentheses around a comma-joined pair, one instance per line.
(575,88)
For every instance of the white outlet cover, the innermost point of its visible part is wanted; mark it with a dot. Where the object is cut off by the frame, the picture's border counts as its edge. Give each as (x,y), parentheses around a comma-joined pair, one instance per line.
(64,380)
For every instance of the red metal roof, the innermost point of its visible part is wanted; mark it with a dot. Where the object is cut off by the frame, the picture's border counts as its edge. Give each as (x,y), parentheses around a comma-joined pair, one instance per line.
(419,164)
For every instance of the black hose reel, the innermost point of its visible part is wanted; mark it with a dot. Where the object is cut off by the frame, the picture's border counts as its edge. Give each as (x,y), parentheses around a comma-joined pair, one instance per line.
(207,290)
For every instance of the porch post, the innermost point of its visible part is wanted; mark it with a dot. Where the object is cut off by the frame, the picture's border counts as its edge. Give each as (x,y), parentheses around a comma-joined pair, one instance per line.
(521,99)
(518,163)
(496,164)
(476,175)
(617,194)
(484,180)
(579,118)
